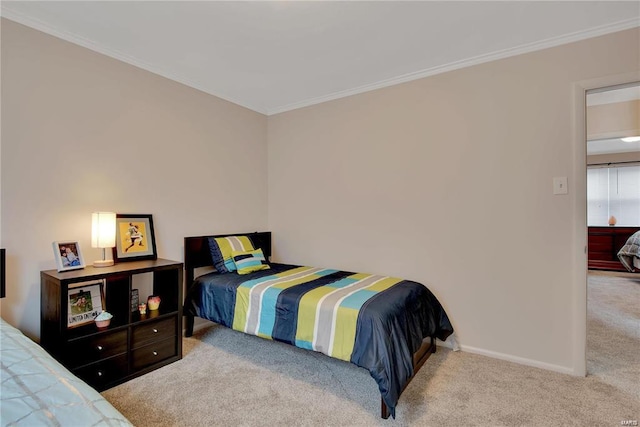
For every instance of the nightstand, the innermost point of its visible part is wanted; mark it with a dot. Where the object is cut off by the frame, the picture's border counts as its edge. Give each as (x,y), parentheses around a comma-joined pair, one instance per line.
(133,344)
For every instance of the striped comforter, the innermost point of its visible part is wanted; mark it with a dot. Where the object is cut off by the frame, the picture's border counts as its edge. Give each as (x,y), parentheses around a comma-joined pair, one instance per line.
(375,322)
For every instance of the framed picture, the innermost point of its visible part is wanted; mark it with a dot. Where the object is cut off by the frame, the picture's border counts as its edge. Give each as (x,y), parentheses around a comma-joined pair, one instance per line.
(135,239)
(84,304)
(68,255)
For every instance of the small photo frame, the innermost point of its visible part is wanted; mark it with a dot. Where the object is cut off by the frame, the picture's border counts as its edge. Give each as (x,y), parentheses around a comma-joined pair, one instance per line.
(84,304)
(68,255)
(135,239)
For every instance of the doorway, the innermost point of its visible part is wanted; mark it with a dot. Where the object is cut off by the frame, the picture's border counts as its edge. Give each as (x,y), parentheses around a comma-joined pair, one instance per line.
(613,216)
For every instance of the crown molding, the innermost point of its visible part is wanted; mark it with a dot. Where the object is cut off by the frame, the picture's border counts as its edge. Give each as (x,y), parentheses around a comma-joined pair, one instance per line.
(493,56)
(12,15)
(18,17)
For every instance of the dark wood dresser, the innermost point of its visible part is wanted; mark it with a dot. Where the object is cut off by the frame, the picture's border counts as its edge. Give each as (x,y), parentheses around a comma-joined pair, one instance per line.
(604,244)
(134,343)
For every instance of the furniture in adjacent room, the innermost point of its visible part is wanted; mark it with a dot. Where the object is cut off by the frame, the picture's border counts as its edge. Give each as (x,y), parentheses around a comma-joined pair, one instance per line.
(604,242)
(133,343)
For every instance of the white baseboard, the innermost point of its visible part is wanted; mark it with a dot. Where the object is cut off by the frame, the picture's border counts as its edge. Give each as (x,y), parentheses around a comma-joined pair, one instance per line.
(201,325)
(519,360)
(451,343)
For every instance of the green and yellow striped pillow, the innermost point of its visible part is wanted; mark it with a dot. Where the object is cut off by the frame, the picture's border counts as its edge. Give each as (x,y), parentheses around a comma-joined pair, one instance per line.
(222,247)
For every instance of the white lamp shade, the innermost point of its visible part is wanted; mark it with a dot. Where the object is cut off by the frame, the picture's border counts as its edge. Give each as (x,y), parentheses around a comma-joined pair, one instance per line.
(103,230)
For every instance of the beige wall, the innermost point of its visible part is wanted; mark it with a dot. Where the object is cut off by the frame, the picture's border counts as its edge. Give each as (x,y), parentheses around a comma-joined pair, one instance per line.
(82,132)
(613,120)
(448,180)
(598,159)
(445,180)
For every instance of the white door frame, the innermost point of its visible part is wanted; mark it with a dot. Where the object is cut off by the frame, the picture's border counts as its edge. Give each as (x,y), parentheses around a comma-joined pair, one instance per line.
(580,212)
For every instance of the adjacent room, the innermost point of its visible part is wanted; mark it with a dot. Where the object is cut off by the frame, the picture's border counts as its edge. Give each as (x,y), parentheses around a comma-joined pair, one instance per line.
(319,213)
(613,219)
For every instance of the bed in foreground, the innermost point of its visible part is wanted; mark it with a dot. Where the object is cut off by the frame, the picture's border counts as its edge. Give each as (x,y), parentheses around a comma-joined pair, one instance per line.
(383,324)
(37,390)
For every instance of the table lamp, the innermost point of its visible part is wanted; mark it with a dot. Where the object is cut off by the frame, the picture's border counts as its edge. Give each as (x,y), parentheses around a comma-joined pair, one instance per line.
(103,235)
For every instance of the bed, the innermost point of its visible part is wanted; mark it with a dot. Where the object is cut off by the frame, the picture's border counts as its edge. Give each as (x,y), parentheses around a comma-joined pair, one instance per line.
(37,390)
(386,325)
(629,254)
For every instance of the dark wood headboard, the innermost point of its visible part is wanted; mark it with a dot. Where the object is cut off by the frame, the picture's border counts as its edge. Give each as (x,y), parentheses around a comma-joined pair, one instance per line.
(196,250)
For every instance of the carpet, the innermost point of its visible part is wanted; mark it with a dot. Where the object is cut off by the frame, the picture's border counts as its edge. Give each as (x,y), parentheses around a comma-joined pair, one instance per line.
(229,378)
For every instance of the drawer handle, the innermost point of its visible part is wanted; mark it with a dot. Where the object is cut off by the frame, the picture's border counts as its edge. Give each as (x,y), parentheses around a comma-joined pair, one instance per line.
(99,348)
(155,331)
(99,373)
(155,353)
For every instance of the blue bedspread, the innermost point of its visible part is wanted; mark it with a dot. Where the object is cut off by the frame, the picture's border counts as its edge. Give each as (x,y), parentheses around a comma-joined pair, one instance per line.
(375,322)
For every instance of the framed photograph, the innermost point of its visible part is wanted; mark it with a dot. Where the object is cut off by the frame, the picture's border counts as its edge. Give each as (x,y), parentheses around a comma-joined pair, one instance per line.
(135,239)
(85,303)
(68,255)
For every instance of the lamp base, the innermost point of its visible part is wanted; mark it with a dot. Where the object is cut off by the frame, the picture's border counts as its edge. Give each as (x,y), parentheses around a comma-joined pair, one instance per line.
(103,263)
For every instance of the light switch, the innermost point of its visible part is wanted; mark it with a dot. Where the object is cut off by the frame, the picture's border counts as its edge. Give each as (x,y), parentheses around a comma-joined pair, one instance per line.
(560,185)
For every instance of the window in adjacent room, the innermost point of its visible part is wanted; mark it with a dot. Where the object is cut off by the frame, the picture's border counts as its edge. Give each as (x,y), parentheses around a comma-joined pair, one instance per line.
(613,191)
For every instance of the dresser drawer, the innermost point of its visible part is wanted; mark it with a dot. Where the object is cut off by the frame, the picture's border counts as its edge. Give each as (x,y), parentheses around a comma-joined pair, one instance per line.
(599,243)
(154,353)
(101,374)
(94,348)
(153,331)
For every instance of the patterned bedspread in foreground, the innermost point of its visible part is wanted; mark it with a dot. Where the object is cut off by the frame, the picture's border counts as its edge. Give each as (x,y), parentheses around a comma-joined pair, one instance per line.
(38,391)
(375,322)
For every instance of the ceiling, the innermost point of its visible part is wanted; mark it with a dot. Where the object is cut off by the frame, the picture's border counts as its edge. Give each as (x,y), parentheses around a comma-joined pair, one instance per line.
(611,146)
(274,56)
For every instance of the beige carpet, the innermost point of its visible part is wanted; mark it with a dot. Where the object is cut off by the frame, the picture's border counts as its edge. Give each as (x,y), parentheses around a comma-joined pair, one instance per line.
(227,378)
(613,332)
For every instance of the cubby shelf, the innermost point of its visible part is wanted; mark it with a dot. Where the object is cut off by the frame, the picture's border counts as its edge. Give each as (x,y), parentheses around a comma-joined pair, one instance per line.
(133,344)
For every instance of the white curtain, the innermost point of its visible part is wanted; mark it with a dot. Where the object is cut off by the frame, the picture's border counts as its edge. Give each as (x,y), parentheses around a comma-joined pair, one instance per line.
(613,191)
